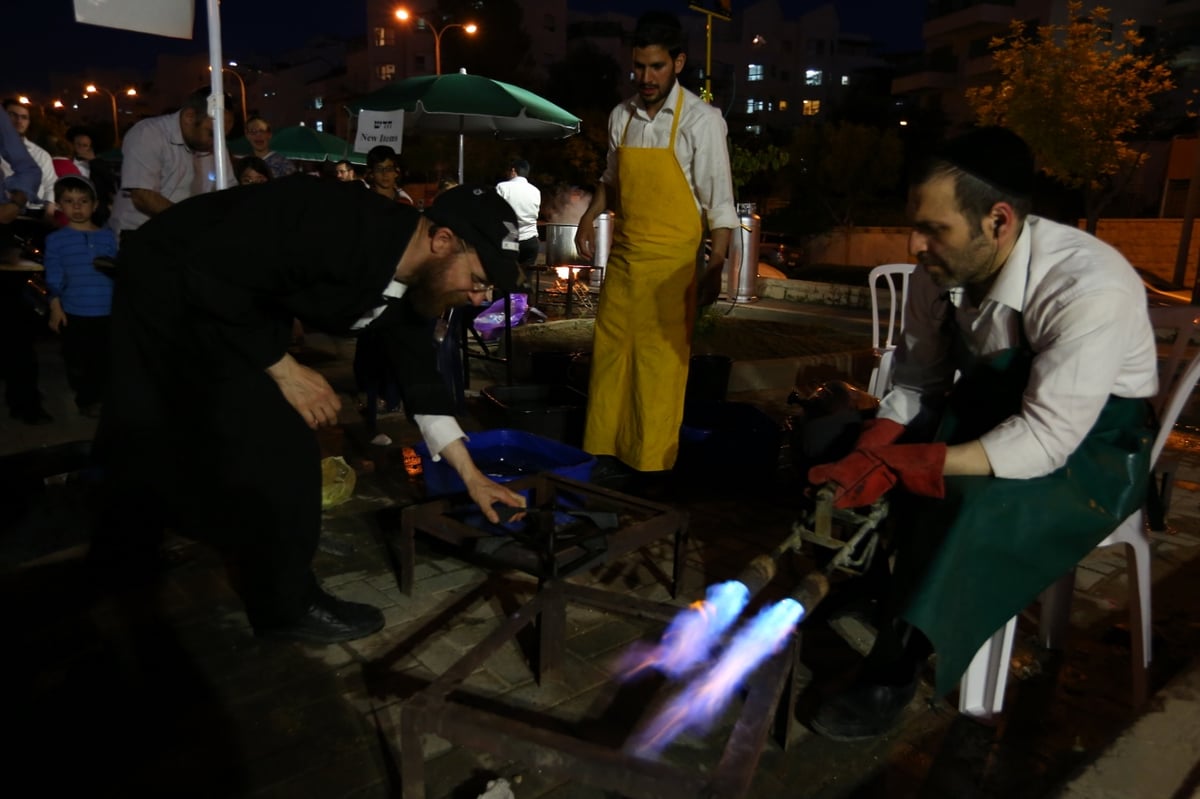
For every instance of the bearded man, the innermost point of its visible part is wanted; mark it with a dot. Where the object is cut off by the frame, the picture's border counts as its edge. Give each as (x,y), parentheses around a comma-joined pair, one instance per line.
(667,175)
(209,428)
(1041,447)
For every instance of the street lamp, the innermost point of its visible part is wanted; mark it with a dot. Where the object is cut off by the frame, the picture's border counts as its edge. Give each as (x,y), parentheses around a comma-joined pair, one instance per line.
(92,88)
(241,83)
(470,27)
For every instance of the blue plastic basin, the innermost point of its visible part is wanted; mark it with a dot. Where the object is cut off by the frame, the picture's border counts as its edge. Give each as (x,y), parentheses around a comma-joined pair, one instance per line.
(505,455)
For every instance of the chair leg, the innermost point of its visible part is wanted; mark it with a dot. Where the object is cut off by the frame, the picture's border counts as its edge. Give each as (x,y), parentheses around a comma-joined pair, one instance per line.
(1056,612)
(1140,613)
(981,689)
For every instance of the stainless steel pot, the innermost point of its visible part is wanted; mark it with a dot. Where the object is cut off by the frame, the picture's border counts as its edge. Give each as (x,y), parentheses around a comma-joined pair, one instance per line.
(560,245)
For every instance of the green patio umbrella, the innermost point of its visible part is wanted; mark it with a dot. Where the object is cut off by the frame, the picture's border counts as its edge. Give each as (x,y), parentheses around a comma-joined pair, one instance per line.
(471,105)
(303,143)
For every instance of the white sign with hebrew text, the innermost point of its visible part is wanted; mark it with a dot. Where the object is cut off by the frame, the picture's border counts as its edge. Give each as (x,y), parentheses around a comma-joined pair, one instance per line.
(379,127)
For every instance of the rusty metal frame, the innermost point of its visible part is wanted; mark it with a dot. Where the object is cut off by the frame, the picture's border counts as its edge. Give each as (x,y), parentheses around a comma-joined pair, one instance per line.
(766,710)
(659,521)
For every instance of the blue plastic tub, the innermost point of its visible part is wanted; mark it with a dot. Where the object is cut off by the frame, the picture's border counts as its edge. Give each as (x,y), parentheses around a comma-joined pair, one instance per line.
(505,455)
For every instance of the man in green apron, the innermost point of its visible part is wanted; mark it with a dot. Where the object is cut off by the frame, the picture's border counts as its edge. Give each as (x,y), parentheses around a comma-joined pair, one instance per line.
(1039,450)
(668,164)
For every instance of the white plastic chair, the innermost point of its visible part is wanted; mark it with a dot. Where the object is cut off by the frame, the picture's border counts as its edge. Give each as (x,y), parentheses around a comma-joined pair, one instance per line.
(895,277)
(981,690)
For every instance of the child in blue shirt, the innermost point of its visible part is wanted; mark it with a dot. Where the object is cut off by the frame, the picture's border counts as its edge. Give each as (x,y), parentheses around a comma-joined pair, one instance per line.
(80,296)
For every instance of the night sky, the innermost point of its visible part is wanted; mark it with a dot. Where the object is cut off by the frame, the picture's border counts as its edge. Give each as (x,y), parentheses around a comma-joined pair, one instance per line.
(56,43)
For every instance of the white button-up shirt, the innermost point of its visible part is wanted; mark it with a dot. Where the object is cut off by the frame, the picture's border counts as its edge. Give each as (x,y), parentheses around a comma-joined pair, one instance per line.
(1084,312)
(45,191)
(438,431)
(700,147)
(526,202)
(155,157)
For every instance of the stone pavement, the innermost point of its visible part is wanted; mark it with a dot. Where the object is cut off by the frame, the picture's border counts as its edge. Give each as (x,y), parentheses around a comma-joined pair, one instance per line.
(162,689)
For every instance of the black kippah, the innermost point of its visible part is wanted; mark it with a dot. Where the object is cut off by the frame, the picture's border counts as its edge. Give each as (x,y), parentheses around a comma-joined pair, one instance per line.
(995,155)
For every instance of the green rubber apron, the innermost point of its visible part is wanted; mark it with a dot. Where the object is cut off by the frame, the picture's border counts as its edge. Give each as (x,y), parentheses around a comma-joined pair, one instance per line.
(971,561)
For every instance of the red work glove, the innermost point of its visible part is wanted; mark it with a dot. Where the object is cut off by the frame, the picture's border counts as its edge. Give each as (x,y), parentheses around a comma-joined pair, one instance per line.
(877,433)
(918,467)
(865,475)
(860,478)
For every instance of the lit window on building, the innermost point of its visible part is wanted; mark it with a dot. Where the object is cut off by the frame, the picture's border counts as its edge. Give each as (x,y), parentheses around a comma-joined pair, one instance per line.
(812,77)
(318,103)
(319,125)
(783,105)
(753,105)
(812,108)
(387,71)
(755,129)
(383,37)
(754,72)
(845,80)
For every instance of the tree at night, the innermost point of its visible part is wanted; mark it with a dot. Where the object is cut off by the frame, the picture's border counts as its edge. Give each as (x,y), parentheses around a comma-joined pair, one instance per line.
(1078,93)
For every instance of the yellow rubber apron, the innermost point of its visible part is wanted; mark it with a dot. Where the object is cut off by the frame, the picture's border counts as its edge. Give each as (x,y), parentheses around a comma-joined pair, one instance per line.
(644,322)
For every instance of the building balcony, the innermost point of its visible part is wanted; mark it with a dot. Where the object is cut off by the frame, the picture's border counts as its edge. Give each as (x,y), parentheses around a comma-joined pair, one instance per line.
(963,18)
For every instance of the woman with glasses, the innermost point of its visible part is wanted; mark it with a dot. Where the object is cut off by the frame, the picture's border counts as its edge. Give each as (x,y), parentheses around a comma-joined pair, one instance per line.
(258,133)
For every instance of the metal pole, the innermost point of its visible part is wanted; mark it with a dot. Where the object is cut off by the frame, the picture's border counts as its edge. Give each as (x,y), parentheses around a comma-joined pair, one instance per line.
(1189,215)
(116,124)
(242,84)
(707,59)
(216,100)
(437,53)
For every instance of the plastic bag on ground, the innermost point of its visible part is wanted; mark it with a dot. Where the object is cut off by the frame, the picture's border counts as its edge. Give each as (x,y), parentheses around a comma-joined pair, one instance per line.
(489,323)
(337,482)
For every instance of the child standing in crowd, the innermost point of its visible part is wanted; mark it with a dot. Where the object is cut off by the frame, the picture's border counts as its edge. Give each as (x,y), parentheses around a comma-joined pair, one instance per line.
(80,296)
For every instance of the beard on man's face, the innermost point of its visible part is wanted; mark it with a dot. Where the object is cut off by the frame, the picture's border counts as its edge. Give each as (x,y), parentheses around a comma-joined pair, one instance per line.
(429,291)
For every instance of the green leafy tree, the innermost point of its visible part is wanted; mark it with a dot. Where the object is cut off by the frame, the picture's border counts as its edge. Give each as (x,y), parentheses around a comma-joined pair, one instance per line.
(753,167)
(1078,93)
(844,168)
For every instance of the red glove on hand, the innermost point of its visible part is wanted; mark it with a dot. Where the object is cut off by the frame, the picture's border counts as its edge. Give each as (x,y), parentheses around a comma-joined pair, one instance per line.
(877,433)
(860,478)
(865,475)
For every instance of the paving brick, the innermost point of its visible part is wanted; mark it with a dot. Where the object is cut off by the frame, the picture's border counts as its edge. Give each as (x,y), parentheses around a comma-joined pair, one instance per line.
(363,591)
(611,635)
(449,581)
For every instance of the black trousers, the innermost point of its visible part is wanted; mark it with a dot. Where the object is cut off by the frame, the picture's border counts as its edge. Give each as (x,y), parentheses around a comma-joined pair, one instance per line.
(85,345)
(18,330)
(224,461)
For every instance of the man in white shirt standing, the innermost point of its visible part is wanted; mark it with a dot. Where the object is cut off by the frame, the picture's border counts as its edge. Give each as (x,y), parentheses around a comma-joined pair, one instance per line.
(19,114)
(526,201)
(1040,449)
(167,159)
(668,172)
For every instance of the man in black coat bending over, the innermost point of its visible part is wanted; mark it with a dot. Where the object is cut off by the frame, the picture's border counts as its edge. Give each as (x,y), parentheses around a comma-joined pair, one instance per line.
(209,426)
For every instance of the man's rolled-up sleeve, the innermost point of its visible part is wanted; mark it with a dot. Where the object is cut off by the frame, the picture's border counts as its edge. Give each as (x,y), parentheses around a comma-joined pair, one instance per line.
(1072,378)
(712,174)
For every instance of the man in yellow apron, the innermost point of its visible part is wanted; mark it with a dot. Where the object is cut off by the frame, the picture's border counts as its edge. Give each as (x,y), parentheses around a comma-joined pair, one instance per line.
(1042,446)
(668,163)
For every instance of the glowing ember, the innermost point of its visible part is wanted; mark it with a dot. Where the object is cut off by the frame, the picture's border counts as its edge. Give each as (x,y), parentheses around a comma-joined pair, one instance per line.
(699,704)
(691,636)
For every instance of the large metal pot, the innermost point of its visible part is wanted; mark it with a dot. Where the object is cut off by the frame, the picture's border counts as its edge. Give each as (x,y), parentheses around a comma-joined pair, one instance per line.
(560,245)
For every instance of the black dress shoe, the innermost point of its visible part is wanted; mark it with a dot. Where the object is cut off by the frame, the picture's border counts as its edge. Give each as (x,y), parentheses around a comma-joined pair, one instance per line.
(328,620)
(862,711)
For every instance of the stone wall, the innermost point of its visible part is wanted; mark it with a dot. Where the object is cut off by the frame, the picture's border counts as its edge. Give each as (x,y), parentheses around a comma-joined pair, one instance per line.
(1149,244)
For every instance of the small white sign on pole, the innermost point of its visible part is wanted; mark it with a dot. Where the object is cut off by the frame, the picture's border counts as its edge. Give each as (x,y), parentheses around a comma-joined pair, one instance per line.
(379,127)
(162,17)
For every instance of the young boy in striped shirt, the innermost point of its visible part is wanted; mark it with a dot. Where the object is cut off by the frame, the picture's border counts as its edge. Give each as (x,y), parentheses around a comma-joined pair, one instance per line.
(80,296)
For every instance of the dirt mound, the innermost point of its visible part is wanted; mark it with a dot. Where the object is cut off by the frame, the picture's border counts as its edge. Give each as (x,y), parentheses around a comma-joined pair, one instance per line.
(739,339)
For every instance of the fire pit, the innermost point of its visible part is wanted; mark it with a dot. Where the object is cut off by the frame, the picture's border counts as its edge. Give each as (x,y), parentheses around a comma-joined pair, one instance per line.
(571,526)
(439,709)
